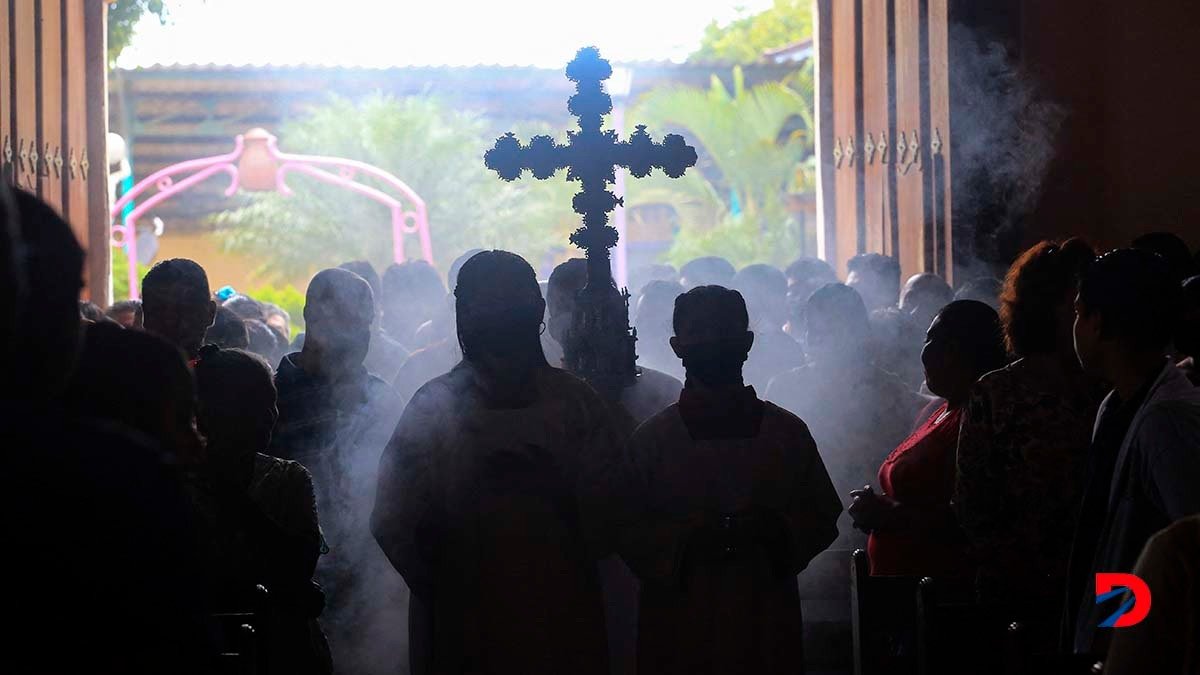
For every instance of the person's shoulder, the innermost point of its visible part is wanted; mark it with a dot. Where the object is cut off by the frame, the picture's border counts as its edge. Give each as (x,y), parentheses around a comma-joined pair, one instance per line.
(1175,417)
(777,418)
(286,469)
(288,371)
(657,378)
(656,424)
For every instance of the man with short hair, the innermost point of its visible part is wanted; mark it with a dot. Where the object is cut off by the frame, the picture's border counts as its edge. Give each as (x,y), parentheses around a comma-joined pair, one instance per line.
(709,269)
(177,304)
(128,313)
(923,297)
(876,277)
(734,502)
(765,291)
(385,355)
(1144,460)
(335,418)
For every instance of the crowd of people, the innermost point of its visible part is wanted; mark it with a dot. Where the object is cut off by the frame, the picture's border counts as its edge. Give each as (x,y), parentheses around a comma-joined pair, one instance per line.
(421,487)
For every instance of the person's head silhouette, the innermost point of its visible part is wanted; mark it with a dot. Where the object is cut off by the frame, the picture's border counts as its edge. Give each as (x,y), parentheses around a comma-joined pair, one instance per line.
(141,381)
(237,406)
(45,335)
(499,309)
(837,328)
(963,343)
(712,335)
(177,304)
(338,311)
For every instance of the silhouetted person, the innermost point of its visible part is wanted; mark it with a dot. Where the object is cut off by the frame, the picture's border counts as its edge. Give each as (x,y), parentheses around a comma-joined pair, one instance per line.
(804,275)
(228,330)
(876,277)
(412,293)
(140,381)
(278,318)
(810,273)
(260,512)
(896,342)
(1025,434)
(245,307)
(177,304)
(385,356)
(925,295)
(733,502)
(913,531)
(639,277)
(335,418)
(90,311)
(764,289)
(705,271)
(857,412)
(128,313)
(1172,249)
(444,352)
(1144,460)
(652,391)
(652,318)
(262,340)
(984,289)
(498,493)
(106,557)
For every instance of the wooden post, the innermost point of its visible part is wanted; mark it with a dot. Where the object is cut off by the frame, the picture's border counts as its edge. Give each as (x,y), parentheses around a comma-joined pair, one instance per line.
(99,259)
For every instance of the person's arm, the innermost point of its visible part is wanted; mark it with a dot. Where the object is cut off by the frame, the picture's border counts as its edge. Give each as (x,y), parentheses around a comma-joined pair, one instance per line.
(1169,437)
(978,501)
(403,518)
(812,513)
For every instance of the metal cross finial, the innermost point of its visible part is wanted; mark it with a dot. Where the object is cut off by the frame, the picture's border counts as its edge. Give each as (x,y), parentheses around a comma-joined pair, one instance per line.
(590,157)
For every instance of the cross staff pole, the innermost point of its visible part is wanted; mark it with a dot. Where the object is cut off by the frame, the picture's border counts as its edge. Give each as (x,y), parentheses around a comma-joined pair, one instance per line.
(600,343)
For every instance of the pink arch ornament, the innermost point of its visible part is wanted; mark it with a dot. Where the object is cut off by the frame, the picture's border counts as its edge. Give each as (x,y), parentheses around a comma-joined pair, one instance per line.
(257,164)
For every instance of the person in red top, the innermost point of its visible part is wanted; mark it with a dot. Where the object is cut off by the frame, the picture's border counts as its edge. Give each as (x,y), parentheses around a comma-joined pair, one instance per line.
(913,531)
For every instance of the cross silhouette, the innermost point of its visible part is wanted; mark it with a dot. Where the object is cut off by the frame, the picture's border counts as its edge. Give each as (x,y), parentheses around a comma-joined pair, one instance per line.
(600,343)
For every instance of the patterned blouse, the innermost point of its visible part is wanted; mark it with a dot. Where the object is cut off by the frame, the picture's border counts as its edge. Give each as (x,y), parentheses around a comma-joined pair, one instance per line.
(1021,452)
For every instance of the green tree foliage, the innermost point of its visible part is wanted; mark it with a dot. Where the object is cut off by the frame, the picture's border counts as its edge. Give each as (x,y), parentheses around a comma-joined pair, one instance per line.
(755,146)
(123,15)
(744,40)
(120,274)
(435,149)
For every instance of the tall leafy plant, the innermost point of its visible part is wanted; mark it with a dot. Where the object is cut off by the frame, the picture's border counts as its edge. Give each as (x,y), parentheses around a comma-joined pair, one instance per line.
(756,146)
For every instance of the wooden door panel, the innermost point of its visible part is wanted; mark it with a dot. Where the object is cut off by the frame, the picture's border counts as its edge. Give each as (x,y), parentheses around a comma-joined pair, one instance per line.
(25,105)
(50,87)
(912,140)
(75,115)
(877,106)
(847,123)
(7,153)
(941,213)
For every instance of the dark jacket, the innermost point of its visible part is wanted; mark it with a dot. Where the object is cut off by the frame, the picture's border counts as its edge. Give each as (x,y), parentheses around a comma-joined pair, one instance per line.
(1154,483)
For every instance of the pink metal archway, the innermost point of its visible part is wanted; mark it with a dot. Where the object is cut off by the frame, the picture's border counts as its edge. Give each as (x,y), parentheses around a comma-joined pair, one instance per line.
(257,164)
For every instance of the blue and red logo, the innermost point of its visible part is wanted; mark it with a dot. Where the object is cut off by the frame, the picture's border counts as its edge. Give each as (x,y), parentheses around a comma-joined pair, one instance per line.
(1134,606)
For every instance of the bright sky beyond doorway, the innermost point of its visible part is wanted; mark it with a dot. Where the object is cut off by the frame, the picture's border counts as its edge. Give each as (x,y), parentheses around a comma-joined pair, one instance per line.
(383,33)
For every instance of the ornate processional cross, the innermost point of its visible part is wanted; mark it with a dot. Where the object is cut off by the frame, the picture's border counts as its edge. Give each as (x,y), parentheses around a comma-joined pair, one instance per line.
(600,344)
